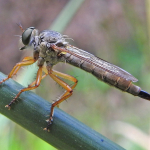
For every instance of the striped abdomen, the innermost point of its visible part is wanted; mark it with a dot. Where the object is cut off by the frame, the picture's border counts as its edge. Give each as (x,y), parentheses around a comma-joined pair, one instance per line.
(106,76)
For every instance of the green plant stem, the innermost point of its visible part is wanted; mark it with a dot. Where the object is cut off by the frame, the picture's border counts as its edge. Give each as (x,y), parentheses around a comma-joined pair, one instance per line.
(66,132)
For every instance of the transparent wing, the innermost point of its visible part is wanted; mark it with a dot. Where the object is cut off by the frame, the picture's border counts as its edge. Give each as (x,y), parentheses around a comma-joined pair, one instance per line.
(98,62)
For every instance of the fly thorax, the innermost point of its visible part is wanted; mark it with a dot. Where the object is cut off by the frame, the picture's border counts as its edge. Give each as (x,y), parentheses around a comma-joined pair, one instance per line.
(46,38)
(49,36)
(51,57)
(47,53)
(42,48)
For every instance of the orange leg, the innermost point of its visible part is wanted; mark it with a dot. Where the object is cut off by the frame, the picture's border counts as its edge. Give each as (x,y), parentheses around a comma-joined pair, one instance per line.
(33,83)
(25,62)
(63,75)
(69,90)
(30,87)
(46,73)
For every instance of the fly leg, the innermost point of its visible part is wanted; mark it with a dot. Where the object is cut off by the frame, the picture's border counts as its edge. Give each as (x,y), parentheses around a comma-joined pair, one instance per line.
(30,87)
(25,62)
(69,90)
(65,76)
(68,77)
(34,82)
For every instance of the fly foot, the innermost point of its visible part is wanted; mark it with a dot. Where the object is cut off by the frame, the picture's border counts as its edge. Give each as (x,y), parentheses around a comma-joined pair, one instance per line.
(1,82)
(49,124)
(8,106)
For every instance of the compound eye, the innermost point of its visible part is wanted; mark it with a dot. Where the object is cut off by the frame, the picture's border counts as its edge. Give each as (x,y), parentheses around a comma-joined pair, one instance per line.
(26,35)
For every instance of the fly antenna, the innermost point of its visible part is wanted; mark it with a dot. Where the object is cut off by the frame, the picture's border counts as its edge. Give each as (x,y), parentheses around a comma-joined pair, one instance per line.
(20,26)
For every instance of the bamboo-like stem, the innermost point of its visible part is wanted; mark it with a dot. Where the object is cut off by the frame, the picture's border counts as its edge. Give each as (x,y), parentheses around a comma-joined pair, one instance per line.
(66,132)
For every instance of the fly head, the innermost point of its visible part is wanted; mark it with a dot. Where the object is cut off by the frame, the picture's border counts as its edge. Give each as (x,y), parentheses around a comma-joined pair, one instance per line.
(28,37)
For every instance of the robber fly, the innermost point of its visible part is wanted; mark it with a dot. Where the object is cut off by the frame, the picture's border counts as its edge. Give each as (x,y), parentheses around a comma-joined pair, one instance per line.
(51,47)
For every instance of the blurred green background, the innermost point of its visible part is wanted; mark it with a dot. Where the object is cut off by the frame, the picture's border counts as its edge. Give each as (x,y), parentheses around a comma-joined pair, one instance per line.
(116,31)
